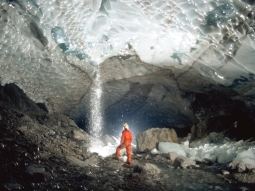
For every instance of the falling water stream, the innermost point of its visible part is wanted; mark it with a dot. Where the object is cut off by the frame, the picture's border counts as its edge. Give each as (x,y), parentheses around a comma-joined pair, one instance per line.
(96,119)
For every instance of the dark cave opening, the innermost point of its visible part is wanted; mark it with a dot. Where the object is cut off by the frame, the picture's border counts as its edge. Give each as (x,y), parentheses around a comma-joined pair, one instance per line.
(217,110)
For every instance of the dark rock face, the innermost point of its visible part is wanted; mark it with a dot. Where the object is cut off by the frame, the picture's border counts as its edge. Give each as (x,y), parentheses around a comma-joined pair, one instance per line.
(234,126)
(12,97)
(217,112)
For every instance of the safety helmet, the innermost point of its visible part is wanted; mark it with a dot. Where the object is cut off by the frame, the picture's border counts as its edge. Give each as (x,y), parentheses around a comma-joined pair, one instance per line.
(125,126)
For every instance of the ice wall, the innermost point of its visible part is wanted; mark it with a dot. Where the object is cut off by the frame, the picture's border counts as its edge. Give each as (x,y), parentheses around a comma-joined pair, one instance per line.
(61,41)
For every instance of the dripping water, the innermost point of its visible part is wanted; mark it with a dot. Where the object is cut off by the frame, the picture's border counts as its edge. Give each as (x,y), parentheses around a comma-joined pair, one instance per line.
(96,119)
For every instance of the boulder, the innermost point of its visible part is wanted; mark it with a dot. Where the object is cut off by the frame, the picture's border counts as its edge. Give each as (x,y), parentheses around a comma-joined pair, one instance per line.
(45,155)
(183,162)
(147,157)
(240,166)
(149,139)
(80,135)
(146,169)
(27,121)
(91,161)
(22,129)
(13,186)
(35,169)
(75,161)
(172,156)
(151,169)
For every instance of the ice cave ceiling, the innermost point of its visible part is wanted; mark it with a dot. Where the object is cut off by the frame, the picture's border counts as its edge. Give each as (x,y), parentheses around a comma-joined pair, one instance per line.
(163,62)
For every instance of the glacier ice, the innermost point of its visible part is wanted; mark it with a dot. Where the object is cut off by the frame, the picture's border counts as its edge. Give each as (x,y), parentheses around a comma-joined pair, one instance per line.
(64,41)
(167,147)
(161,32)
(215,147)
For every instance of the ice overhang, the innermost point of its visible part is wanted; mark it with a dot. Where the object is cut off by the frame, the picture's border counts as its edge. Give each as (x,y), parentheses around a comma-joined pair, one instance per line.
(51,48)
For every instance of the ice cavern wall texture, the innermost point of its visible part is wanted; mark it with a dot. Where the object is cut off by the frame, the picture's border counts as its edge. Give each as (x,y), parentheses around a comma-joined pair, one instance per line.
(171,63)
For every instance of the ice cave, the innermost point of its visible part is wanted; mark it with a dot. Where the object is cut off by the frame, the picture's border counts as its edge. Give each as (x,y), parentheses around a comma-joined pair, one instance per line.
(72,72)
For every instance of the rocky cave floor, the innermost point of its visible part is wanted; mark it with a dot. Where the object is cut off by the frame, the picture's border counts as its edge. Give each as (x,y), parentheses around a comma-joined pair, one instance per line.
(49,153)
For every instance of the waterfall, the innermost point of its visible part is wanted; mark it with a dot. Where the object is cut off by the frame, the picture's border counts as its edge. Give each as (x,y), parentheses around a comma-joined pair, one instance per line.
(96,119)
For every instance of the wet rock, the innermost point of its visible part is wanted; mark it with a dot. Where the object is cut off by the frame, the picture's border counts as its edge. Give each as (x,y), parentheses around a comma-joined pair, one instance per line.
(149,139)
(30,123)
(164,155)
(139,173)
(26,119)
(2,146)
(199,130)
(224,172)
(147,157)
(64,121)
(241,167)
(91,161)
(139,169)
(81,188)
(158,158)
(13,186)
(72,123)
(78,151)
(35,169)
(183,162)
(232,165)
(44,155)
(138,176)
(172,156)
(82,177)
(107,187)
(22,128)
(80,135)
(151,169)
(135,175)
(112,173)
(245,178)
(249,167)
(207,162)
(36,173)
(147,169)
(51,132)
(243,188)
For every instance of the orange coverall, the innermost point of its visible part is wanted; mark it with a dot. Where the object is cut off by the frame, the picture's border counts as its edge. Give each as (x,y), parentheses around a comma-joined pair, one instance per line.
(126,140)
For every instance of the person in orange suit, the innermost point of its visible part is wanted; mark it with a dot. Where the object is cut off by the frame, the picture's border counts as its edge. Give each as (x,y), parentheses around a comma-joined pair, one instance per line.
(126,140)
